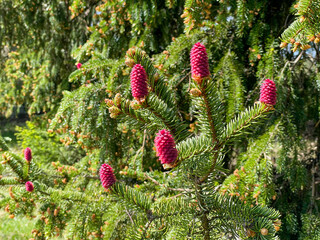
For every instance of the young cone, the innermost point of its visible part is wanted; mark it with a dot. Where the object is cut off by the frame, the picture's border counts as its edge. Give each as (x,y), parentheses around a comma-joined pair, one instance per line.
(139,85)
(268,93)
(107,176)
(199,62)
(79,65)
(166,148)
(27,154)
(29,186)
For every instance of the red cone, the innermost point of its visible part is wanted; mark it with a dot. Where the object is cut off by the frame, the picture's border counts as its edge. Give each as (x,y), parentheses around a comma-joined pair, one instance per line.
(165,147)
(199,62)
(27,154)
(29,186)
(268,92)
(107,176)
(139,85)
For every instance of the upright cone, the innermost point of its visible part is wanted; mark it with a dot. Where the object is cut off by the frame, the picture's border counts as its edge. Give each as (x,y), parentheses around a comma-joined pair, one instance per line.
(139,85)
(27,154)
(165,148)
(199,62)
(29,186)
(107,176)
(268,93)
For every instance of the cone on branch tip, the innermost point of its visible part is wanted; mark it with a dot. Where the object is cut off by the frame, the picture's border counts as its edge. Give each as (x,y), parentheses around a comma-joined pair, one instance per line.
(107,176)
(199,63)
(139,86)
(268,93)
(166,148)
(79,65)
(29,186)
(27,154)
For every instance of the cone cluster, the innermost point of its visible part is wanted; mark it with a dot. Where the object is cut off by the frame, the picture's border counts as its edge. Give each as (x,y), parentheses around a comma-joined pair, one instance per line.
(107,176)
(199,62)
(268,92)
(139,85)
(29,186)
(27,154)
(165,147)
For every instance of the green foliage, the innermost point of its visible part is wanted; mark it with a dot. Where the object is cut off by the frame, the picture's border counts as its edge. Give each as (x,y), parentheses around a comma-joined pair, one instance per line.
(240,163)
(305,27)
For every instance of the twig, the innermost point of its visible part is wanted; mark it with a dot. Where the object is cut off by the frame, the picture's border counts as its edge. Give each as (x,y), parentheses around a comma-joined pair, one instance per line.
(130,217)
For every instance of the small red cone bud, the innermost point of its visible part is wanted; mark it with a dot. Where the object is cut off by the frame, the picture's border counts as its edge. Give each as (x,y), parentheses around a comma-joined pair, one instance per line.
(29,186)
(107,176)
(79,65)
(268,93)
(165,148)
(27,154)
(139,85)
(199,62)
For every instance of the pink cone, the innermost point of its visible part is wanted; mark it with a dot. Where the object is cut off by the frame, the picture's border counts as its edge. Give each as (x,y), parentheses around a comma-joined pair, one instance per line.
(107,176)
(79,65)
(29,186)
(28,154)
(165,147)
(268,92)
(139,85)
(199,62)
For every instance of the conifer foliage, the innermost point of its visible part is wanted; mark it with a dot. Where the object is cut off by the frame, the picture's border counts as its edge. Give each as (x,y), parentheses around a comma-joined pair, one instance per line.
(190,129)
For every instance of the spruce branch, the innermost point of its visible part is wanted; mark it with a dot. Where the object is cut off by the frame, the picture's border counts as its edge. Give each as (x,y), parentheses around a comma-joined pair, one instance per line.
(9,181)
(126,108)
(163,185)
(204,95)
(192,147)
(155,80)
(132,196)
(243,121)
(204,212)
(3,145)
(14,163)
